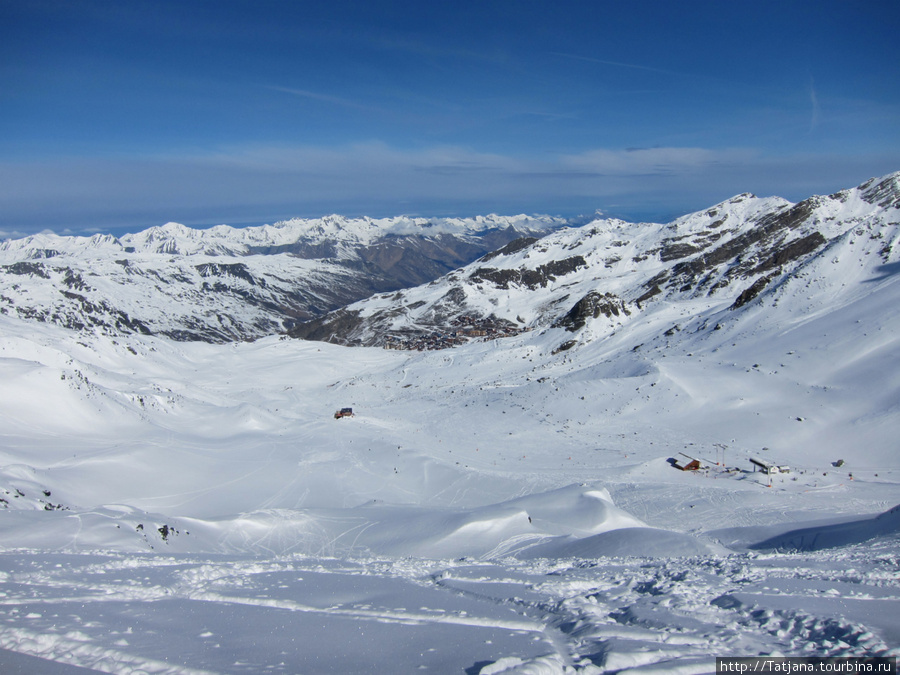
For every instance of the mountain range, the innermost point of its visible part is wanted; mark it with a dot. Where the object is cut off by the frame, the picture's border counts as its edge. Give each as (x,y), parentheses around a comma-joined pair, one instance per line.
(421,283)
(561,462)
(223,283)
(612,275)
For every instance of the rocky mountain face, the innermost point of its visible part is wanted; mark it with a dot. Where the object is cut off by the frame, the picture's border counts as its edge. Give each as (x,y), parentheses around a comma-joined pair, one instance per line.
(224,283)
(592,280)
(415,283)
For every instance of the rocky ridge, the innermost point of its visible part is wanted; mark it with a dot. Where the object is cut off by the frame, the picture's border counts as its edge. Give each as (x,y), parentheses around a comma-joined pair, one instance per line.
(224,283)
(593,279)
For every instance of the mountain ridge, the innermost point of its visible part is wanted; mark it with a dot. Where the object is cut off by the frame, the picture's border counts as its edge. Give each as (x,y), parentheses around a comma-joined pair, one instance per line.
(224,283)
(422,283)
(723,257)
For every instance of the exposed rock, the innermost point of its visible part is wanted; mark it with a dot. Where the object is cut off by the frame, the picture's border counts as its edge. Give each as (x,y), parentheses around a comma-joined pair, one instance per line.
(752,252)
(884,193)
(754,290)
(565,346)
(236,270)
(530,278)
(335,327)
(511,247)
(676,251)
(27,268)
(591,306)
(791,252)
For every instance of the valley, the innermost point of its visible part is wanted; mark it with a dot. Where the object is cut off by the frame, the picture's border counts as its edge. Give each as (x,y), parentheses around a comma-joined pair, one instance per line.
(505,505)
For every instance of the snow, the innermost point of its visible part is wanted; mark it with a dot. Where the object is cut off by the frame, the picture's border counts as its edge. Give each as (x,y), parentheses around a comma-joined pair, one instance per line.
(344,232)
(226,284)
(623,259)
(467,517)
(494,508)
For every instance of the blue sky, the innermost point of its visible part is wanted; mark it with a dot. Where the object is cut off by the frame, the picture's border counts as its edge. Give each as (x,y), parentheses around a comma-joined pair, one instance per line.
(121,115)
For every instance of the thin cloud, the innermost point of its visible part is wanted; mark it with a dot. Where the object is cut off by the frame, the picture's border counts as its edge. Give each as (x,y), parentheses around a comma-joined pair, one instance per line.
(265,183)
(814,101)
(325,98)
(549,115)
(652,161)
(617,64)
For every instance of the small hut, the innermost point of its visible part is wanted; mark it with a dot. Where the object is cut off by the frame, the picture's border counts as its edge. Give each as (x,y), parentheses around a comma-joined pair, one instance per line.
(686,463)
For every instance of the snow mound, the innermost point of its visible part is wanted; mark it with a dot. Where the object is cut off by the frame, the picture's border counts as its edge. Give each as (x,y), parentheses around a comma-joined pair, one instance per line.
(488,532)
(578,509)
(501,529)
(835,535)
(648,542)
(575,521)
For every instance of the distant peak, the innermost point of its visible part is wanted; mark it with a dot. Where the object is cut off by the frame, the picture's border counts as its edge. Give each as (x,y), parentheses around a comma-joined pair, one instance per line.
(176,228)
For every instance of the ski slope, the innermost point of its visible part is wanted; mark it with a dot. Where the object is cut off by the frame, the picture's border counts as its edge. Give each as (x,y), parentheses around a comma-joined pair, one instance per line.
(487,508)
(499,507)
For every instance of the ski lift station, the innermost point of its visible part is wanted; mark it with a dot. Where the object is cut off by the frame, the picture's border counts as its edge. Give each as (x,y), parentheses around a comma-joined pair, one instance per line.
(768,467)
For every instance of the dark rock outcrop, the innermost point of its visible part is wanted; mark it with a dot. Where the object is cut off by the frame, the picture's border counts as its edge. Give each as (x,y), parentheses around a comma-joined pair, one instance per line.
(591,306)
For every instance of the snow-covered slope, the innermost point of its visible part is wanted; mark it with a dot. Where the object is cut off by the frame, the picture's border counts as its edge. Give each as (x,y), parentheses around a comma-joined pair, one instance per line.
(182,507)
(717,265)
(185,507)
(225,283)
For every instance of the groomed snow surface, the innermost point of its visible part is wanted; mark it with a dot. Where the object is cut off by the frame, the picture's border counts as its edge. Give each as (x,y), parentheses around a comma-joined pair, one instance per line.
(494,508)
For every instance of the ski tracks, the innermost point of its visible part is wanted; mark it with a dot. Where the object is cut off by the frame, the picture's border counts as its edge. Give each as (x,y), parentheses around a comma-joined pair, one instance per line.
(591,616)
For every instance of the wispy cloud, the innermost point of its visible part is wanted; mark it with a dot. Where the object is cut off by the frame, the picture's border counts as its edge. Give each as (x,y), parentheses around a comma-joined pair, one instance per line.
(617,64)
(325,98)
(814,101)
(266,183)
(652,161)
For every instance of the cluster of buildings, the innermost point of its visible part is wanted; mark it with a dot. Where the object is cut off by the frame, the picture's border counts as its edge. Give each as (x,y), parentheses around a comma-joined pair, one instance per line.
(687,463)
(461,330)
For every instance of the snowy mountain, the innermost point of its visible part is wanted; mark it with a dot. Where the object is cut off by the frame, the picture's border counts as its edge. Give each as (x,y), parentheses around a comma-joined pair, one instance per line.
(224,283)
(512,505)
(610,275)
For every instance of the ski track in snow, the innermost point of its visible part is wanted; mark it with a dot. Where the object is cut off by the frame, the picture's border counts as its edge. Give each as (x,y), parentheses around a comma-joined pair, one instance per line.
(105,612)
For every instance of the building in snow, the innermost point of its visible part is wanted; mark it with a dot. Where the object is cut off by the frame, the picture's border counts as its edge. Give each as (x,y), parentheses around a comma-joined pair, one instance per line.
(686,463)
(768,467)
